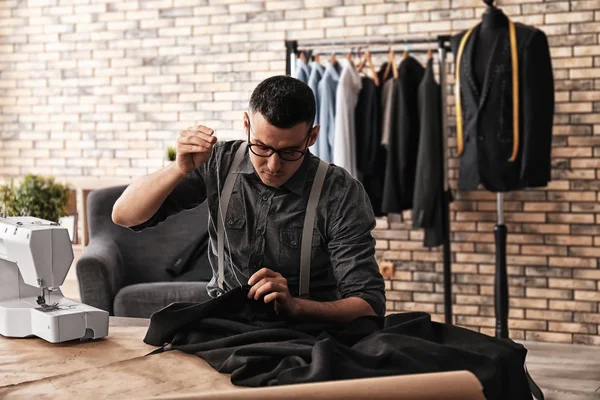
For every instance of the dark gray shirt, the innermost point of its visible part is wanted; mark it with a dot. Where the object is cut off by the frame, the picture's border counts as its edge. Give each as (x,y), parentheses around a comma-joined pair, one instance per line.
(264,227)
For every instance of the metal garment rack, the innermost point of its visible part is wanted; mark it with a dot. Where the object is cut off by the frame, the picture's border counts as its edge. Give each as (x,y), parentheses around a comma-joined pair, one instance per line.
(293,47)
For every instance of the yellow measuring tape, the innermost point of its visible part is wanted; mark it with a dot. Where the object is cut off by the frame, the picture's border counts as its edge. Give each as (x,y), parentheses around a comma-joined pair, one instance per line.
(515,85)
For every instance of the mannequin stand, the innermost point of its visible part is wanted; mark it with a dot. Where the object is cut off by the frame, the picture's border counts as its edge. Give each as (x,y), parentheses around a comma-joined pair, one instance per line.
(501,287)
(501,279)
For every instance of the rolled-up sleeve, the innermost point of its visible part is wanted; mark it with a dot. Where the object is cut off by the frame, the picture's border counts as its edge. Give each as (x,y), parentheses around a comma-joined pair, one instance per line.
(352,247)
(188,194)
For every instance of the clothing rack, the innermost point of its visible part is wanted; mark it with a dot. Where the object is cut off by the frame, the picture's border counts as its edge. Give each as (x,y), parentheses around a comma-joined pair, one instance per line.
(293,47)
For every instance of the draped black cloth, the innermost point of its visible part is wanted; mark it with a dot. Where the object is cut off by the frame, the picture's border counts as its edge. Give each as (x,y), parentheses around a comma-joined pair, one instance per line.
(247,339)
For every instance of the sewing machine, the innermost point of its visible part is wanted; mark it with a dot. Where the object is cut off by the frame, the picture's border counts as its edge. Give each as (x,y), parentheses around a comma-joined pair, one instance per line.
(35,256)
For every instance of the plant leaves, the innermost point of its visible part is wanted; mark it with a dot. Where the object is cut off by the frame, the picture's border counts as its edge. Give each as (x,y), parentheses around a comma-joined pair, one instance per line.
(36,196)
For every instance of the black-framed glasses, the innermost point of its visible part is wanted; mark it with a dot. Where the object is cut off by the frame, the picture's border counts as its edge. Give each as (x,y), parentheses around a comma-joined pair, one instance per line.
(262,150)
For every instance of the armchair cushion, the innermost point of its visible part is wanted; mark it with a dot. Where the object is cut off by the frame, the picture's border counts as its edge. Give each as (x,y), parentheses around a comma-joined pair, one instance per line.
(143,299)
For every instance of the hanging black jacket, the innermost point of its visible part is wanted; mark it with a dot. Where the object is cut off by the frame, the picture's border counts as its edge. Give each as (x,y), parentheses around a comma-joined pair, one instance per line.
(429,181)
(401,163)
(488,115)
(368,142)
(247,339)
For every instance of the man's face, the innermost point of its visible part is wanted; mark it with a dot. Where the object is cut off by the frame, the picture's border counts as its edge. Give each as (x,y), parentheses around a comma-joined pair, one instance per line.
(274,171)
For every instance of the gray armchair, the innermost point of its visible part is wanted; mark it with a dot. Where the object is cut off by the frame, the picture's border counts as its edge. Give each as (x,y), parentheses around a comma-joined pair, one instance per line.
(124,272)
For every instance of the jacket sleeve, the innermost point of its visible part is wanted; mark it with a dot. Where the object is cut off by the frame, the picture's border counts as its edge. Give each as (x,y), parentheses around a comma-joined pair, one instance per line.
(537,112)
(429,175)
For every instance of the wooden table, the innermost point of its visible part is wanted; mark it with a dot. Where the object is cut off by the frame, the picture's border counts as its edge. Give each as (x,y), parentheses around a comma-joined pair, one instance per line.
(111,367)
(116,367)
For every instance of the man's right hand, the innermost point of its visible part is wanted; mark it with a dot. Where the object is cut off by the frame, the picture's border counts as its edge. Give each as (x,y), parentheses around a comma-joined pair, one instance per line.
(194,147)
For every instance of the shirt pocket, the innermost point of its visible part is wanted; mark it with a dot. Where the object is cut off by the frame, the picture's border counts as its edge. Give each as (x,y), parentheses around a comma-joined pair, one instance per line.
(235,217)
(236,238)
(290,240)
(235,221)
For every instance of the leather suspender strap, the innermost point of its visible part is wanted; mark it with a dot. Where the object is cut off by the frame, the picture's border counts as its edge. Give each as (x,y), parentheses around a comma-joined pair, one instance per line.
(308,230)
(222,212)
(514,56)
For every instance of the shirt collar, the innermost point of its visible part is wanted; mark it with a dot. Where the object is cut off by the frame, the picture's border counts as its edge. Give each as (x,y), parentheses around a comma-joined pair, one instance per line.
(315,66)
(352,74)
(295,184)
(333,70)
(245,166)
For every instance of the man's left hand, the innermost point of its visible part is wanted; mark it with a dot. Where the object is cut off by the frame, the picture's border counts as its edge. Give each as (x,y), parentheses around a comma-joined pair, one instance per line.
(271,286)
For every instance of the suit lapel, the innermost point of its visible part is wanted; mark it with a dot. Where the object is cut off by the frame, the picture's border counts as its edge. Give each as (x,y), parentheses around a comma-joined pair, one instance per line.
(469,87)
(493,66)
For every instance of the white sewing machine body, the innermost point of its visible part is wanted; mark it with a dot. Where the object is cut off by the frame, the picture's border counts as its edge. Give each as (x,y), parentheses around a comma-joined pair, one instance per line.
(35,257)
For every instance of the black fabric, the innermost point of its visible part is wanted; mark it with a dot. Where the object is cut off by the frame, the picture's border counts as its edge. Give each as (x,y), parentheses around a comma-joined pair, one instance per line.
(401,160)
(368,128)
(429,180)
(488,115)
(247,339)
(192,264)
(368,142)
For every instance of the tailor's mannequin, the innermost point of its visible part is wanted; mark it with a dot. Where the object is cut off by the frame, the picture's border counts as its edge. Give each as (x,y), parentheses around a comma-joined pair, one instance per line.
(493,22)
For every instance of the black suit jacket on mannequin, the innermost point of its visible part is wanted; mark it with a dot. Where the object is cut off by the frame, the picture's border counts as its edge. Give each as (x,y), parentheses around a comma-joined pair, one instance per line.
(488,112)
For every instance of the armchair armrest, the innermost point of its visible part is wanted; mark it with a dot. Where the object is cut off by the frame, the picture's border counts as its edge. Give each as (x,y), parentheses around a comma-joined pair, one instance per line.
(100,273)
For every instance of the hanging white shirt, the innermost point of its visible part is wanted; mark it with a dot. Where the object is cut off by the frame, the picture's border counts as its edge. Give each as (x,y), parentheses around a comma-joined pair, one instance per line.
(344,142)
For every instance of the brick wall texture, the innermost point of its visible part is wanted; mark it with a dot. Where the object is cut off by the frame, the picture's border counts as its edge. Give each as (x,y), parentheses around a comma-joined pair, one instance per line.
(92,88)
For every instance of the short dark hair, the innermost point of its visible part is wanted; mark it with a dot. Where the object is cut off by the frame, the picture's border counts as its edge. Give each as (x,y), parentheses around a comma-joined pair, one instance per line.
(284,101)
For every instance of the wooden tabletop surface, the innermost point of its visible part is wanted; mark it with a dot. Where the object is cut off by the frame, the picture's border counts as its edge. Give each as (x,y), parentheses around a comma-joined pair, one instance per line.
(125,321)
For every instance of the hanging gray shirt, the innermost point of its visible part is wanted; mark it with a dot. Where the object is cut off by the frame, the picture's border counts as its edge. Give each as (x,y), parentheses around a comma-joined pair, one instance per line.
(264,227)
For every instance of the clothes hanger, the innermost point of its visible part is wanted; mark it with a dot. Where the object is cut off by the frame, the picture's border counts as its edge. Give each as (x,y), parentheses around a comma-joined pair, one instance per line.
(368,61)
(373,70)
(361,60)
(406,50)
(349,57)
(332,59)
(391,65)
(394,68)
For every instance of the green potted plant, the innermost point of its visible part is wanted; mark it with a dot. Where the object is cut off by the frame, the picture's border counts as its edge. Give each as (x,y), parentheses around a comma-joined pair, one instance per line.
(171,153)
(35,196)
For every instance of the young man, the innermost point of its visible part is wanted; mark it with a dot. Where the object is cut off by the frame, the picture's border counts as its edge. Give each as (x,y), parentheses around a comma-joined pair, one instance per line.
(265,216)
